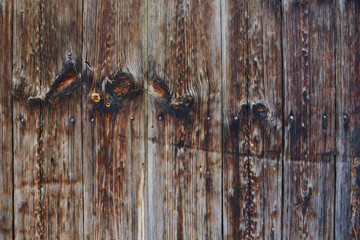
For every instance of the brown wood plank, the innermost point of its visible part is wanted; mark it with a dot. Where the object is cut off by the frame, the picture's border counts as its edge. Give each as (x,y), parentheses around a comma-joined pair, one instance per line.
(184,147)
(113,128)
(27,125)
(252,119)
(347,206)
(61,137)
(6,154)
(309,89)
(48,163)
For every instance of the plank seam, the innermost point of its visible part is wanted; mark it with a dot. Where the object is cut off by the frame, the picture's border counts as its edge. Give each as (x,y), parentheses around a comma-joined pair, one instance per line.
(82,126)
(282,119)
(12,121)
(145,112)
(336,119)
(222,115)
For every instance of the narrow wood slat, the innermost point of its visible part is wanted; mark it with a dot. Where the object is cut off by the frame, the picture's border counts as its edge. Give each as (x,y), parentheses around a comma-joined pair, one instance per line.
(252,119)
(309,93)
(347,206)
(184,147)
(113,134)
(6,154)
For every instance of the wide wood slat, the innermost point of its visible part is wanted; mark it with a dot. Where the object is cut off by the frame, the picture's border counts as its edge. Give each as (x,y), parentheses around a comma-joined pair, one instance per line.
(184,147)
(113,130)
(309,119)
(28,211)
(48,165)
(252,119)
(61,165)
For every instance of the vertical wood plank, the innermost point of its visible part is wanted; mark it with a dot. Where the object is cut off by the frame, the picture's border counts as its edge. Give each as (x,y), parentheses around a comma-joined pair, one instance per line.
(6,154)
(347,206)
(48,163)
(265,118)
(252,119)
(184,147)
(309,88)
(113,128)
(61,166)
(27,125)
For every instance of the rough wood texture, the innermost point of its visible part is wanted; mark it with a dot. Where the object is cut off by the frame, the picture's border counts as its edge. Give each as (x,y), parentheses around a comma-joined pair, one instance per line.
(309,111)
(184,148)
(48,165)
(252,119)
(180,119)
(61,162)
(113,132)
(27,122)
(347,221)
(6,154)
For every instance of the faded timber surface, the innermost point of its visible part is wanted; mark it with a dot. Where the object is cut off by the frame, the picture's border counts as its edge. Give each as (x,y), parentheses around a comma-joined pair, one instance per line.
(180,119)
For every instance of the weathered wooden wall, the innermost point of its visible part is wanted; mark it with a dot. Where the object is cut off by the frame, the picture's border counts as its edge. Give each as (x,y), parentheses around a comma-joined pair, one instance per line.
(180,119)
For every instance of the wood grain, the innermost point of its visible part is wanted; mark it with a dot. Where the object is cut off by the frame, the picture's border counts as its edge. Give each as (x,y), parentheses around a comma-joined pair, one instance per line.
(48,165)
(28,211)
(184,147)
(61,165)
(309,95)
(113,135)
(347,205)
(252,119)
(6,153)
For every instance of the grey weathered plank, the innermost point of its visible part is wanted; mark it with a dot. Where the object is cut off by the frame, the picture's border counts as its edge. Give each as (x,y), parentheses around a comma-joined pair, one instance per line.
(309,124)
(252,119)
(347,206)
(48,165)
(6,155)
(184,147)
(113,135)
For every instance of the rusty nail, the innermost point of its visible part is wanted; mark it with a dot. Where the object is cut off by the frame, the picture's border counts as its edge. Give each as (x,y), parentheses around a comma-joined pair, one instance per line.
(95,97)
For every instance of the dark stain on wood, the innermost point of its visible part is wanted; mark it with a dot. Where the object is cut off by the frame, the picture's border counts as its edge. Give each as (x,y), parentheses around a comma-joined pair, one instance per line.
(180,107)
(114,91)
(67,81)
